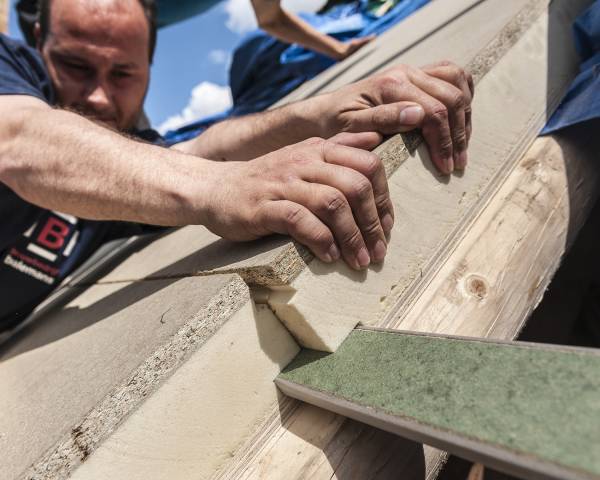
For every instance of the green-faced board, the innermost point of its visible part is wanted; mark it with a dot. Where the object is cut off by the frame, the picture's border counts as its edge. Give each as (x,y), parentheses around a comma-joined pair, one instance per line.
(529,409)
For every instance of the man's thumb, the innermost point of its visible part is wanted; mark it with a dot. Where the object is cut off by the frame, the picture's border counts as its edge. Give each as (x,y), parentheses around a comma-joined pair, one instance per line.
(388,119)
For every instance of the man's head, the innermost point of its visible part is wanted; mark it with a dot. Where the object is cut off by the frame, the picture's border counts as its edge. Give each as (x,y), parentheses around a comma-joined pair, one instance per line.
(98,54)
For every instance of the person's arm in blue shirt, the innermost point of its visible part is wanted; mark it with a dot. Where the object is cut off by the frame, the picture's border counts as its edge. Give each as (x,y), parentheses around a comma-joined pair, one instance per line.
(290,28)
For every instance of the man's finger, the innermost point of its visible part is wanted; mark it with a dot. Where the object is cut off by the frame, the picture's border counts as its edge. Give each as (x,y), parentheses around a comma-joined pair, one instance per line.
(435,125)
(332,207)
(357,43)
(371,166)
(362,140)
(358,192)
(464,81)
(453,74)
(455,102)
(389,118)
(289,218)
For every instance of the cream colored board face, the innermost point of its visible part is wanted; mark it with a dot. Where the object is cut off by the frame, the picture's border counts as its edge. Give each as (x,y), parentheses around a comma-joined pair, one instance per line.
(196,421)
(91,362)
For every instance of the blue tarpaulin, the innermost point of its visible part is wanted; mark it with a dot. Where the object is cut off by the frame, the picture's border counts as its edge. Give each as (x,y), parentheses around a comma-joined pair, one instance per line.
(264,70)
(582,101)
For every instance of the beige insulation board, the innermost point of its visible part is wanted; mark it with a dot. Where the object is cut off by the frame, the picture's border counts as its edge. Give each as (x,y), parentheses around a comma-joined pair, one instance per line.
(513,99)
(71,378)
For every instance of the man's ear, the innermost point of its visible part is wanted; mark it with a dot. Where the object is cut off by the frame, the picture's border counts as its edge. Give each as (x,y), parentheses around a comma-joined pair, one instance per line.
(37,34)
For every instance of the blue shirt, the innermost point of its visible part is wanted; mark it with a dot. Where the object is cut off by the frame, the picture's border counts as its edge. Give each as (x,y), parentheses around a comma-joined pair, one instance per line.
(582,102)
(39,247)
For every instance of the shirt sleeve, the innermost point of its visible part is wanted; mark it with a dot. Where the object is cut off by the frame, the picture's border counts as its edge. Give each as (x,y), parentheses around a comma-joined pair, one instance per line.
(16,216)
(22,71)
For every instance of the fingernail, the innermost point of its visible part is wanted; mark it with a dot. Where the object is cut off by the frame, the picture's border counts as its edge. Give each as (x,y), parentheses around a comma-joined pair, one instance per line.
(334,251)
(379,251)
(387,222)
(461,162)
(411,115)
(326,258)
(363,258)
(449,164)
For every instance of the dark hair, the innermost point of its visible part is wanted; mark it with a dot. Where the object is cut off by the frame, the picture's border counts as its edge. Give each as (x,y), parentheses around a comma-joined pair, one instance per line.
(149,7)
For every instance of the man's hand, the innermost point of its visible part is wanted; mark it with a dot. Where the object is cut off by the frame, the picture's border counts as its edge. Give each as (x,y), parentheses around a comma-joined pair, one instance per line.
(346,49)
(326,194)
(436,98)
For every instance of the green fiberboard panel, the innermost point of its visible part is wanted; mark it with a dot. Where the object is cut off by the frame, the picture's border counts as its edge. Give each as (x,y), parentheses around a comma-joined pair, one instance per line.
(532,410)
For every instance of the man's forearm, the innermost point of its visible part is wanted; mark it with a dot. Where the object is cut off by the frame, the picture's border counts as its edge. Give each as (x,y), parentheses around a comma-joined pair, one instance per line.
(251,136)
(61,161)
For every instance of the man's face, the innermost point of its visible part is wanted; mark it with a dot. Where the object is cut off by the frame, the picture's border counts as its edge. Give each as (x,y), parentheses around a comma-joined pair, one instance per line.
(97,54)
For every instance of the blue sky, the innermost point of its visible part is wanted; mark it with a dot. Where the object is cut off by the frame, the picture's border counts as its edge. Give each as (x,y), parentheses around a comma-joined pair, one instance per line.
(190,72)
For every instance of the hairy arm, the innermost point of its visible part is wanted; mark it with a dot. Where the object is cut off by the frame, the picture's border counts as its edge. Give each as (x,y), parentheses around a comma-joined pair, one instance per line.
(61,161)
(251,136)
(436,98)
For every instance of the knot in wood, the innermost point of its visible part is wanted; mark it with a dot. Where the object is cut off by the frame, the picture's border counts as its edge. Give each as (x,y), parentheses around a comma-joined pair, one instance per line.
(476,286)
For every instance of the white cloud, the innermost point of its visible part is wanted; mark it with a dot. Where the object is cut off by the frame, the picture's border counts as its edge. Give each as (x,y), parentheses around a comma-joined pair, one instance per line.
(207,98)
(242,19)
(219,56)
(241,16)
